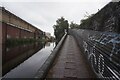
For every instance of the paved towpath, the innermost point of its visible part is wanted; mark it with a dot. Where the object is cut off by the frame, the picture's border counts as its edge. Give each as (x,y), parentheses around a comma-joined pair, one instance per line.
(70,62)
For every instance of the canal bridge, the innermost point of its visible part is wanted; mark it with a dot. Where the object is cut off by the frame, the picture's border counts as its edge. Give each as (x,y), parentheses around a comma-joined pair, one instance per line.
(84,54)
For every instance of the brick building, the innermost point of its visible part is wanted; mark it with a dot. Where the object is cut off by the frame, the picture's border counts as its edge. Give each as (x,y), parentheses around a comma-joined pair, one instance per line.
(12,26)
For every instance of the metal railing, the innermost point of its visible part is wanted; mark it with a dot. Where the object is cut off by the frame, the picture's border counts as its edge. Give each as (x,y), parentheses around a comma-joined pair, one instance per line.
(102,50)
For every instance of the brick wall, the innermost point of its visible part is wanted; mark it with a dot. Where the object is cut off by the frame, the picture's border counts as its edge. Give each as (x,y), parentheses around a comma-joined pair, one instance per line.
(12,32)
(8,17)
(4,34)
(15,27)
(0,33)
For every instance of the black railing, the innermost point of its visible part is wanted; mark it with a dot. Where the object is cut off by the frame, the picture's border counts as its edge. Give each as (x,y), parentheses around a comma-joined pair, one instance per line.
(102,50)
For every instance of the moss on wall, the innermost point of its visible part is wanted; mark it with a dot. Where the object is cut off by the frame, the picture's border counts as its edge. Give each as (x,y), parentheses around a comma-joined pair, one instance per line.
(107,19)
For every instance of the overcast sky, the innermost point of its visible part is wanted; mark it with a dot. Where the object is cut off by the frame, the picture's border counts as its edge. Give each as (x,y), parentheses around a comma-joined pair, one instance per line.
(44,13)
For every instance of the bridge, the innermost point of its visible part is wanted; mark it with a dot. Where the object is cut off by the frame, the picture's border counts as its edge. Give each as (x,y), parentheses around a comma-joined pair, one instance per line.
(84,54)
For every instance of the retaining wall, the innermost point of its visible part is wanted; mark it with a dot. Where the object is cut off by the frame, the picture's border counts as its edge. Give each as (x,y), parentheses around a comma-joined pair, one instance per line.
(102,50)
(106,19)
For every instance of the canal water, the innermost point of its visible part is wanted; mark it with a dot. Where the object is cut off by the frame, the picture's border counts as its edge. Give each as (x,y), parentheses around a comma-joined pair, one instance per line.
(24,61)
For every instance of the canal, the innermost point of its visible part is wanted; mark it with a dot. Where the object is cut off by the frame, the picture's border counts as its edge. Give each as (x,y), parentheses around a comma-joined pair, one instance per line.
(25,60)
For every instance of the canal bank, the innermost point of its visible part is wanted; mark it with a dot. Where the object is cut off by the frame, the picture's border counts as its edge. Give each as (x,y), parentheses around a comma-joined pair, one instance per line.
(42,72)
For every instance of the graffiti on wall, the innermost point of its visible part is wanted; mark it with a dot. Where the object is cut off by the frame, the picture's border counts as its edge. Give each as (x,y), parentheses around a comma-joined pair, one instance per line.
(102,50)
(98,57)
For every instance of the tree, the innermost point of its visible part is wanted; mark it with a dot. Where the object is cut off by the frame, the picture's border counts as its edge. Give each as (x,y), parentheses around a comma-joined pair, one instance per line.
(59,28)
(73,25)
(85,23)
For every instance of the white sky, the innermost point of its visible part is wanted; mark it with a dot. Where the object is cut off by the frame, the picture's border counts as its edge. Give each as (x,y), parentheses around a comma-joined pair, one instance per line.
(44,13)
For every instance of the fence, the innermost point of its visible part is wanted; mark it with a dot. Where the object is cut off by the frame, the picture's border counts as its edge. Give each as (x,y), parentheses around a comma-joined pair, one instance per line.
(102,50)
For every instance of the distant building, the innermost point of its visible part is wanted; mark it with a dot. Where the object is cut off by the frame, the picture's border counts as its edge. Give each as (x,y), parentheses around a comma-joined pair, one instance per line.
(48,35)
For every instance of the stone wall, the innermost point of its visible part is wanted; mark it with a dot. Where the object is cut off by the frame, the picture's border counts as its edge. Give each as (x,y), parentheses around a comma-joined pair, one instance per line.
(107,19)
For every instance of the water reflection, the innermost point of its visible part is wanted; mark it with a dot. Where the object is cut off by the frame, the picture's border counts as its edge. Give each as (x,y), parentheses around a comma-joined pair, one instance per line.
(30,67)
(13,56)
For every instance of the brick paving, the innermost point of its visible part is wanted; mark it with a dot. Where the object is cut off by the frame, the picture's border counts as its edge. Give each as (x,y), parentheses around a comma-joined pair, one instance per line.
(70,63)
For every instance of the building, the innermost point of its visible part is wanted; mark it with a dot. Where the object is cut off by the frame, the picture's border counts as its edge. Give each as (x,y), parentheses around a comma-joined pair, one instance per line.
(48,35)
(13,27)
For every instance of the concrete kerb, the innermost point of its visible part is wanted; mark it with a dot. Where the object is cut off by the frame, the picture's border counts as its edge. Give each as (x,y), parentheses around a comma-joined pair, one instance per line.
(42,72)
